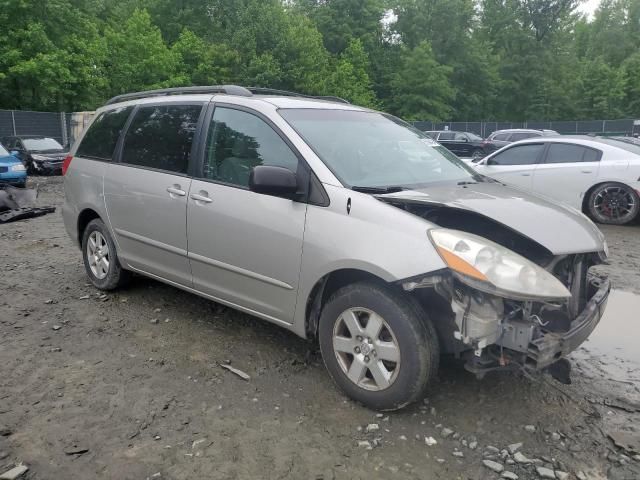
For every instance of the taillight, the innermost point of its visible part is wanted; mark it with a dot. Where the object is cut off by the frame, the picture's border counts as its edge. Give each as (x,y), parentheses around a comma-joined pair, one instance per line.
(66,163)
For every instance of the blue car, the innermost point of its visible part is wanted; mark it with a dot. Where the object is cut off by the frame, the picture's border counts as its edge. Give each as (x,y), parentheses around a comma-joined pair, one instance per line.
(12,171)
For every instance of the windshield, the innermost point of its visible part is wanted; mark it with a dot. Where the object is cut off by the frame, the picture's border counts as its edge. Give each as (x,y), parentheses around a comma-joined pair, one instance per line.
(41,144)
(369,149)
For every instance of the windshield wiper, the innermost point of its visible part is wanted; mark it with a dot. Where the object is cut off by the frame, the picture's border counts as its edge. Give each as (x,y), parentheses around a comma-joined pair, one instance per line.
(392,189)
(467,183)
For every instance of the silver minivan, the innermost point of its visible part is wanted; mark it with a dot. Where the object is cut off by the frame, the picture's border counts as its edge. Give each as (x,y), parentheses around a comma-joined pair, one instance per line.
(342,224)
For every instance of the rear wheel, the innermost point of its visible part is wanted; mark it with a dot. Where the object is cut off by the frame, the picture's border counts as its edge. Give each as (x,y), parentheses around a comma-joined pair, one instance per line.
(614,204)
(100,257)
(378,345)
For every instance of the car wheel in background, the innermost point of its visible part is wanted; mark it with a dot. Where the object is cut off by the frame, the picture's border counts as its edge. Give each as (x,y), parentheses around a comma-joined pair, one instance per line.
(613,204)
(100,257)
(378,345)
(477,155)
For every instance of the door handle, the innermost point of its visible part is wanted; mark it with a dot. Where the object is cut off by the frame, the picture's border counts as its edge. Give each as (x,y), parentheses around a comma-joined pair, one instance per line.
(198,197)
(175,190)
(525,174)
(585,171)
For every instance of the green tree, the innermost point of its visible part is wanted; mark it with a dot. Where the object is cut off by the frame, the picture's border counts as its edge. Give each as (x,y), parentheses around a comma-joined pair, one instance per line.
(601,90)
(421,87)
(349,78)
(631,79)
(138,57)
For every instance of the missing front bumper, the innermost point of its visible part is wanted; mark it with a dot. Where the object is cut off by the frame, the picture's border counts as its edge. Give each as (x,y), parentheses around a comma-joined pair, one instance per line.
(551,346)
(548,346)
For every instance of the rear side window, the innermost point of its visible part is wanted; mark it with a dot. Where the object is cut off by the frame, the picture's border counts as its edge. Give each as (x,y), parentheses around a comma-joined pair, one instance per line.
(565,153)
(161,137)
(446,136)
(522,135)
(518,155)
(501,137)
(100,140)
(237,142)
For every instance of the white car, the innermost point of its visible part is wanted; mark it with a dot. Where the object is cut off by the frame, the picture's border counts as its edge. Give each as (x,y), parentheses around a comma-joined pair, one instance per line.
(597,175)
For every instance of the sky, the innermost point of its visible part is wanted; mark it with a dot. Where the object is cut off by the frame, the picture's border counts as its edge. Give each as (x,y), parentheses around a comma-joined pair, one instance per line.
(589,7)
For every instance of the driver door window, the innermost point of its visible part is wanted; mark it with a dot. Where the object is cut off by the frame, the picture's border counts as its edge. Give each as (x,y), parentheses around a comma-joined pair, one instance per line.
(237,142)
(515,165)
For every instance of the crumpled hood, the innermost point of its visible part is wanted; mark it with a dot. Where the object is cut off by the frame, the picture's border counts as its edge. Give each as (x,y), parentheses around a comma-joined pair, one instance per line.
(52,157)
(560,229)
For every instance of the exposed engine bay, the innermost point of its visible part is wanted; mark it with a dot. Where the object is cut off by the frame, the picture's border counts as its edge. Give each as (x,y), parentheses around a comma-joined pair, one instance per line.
(494,332)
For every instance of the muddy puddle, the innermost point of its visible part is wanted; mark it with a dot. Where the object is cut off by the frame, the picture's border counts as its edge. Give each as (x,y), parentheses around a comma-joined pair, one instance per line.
(614,344)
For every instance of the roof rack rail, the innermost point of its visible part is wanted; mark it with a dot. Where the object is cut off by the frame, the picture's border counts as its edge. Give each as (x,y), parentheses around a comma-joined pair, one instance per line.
(228,89)
(286,93)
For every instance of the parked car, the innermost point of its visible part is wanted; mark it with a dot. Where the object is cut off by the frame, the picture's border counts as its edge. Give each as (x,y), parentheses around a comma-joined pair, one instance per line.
(501,138)
(463,144)
(597,175)
(339,223)
(12,171)
(42,155)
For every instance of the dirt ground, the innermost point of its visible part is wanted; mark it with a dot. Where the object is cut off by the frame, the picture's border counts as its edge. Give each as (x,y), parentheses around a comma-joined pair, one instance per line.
(128,385)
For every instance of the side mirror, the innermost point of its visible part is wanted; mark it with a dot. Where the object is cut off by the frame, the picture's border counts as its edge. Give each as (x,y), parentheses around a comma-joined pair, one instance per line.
(274,181)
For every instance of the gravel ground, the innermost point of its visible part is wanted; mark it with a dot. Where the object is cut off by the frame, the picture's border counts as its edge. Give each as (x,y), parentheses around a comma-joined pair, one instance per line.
(128,385)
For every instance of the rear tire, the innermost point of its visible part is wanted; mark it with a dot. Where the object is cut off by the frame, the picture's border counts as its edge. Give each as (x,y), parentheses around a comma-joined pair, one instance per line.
(378,345)
(100,257)
(613,204)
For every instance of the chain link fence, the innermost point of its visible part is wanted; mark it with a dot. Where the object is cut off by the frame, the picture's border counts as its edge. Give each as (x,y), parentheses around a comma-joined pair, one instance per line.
(623,127)
(66,127)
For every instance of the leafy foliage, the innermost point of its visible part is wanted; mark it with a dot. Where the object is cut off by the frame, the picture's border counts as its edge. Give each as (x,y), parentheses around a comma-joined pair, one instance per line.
(421,59)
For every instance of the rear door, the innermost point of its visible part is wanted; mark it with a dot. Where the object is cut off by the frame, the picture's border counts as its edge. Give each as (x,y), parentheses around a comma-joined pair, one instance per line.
(567,172)
(146,191)
(514,165)
(447,139)
(245,248)
(498,140)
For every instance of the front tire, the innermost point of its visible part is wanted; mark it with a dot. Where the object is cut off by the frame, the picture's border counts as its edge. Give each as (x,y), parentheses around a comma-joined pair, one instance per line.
(100,257)
(378,345)
(613,204)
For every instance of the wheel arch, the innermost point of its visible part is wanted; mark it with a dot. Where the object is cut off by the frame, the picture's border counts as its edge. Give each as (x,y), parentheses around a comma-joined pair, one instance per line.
(85,216)
(326,286)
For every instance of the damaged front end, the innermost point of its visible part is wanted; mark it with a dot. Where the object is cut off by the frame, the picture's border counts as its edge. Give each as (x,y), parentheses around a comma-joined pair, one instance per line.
(505,301)
(494,332)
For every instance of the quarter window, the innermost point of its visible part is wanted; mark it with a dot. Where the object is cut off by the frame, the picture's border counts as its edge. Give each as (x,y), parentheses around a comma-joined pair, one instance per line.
(446,136)
(519,155)
(161,137)
(566,153)
(100,140)
(522,135)
(501,137)
(237,142)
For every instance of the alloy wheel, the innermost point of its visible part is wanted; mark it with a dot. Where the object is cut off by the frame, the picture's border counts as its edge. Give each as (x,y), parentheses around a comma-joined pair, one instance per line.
(98,255)
(366,349)
(615,203)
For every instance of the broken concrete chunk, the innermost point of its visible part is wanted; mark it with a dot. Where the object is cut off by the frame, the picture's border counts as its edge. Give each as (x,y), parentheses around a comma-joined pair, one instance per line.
(560,475)
(514,447)
(458,454)
(446,432)
(530,428)
(473,445)
(509,475)
(364,444)
(238,372)
(430,441)
(14,473)
(544,472)
(521,458)
(372,427)
(491,465)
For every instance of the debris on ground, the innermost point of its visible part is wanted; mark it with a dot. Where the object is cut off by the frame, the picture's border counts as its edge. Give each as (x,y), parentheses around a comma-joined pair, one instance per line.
(237,371)
(17,204)
(495,466)
(14,473)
